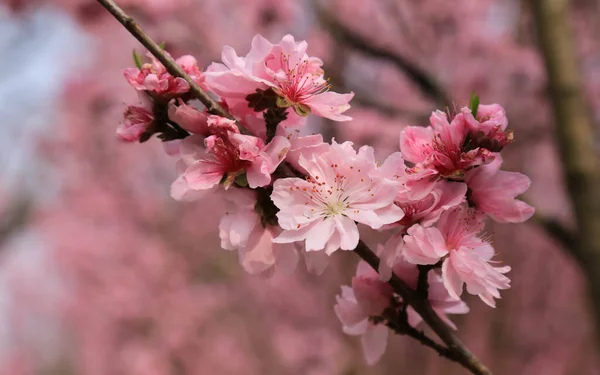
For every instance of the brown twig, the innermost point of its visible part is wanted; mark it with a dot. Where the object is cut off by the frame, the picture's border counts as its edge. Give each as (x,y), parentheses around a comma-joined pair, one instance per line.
(134,29)
(422,306)
(400,325)
(575,135)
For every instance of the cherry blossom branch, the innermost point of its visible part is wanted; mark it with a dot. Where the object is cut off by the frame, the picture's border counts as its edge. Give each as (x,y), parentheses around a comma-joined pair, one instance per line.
(134,29)
(575,135)
(401,326)
(422,79)
(459,352)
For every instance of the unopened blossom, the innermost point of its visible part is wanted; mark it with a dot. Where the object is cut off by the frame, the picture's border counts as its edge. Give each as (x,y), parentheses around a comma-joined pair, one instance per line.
(494,192)
(342,186)
(489,129)
(286,68)
(137,120)
(466,257)
(228,154)
(155,78)
(441,147)
(189,118)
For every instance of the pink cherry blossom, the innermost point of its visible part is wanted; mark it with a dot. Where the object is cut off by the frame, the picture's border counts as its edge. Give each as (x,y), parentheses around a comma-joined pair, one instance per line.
(465,256)
(285,67)
(154,77)
(342,187)
(137,120)
(441,147)
(229,154)
(494,191)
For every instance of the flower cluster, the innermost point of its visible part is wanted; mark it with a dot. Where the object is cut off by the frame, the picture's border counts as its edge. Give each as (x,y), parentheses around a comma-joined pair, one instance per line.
(290,195)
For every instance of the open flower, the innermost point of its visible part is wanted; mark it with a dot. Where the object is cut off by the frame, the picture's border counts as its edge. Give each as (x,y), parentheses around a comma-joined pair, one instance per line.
(228,154)
(286,68)
(441,147)
(342,187)
(466,257)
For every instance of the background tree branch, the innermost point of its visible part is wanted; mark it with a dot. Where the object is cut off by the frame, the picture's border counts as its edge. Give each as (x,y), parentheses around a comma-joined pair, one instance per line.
(575,135)
(342,34)
(14,218)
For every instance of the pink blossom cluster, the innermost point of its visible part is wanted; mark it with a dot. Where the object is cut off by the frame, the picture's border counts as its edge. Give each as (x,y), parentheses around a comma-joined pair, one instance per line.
(293,195)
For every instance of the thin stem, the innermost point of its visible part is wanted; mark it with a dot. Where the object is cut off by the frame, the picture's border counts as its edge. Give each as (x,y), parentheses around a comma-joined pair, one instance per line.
(129,23)
(421,306)
(401,326)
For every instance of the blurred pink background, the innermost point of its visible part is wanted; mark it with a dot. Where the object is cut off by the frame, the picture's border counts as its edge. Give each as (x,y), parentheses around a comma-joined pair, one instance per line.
(102,273)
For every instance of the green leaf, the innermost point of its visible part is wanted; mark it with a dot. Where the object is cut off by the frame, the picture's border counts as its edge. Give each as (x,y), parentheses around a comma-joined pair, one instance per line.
(283,102)
(137,59)
(474,104)
(241,180)
(302,109)
(163,45)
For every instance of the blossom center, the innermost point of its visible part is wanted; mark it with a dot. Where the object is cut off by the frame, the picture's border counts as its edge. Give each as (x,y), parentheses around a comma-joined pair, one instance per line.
(301,81)
(335,208)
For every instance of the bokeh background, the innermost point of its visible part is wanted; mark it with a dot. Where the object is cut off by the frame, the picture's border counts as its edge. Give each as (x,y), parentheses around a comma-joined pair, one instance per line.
(102,273)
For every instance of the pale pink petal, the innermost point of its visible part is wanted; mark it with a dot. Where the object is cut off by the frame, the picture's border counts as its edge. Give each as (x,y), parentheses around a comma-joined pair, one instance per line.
(235,228)
(452,280)
(203,174)
(330,105)
(415,143)
(374,343)
(316,261)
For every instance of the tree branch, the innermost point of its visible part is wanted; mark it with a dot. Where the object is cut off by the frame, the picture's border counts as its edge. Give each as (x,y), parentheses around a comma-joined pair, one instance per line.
(575,135)
(397,321)
(557,231)
(421,306)
(424,309)
(422,79)
(134,29)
